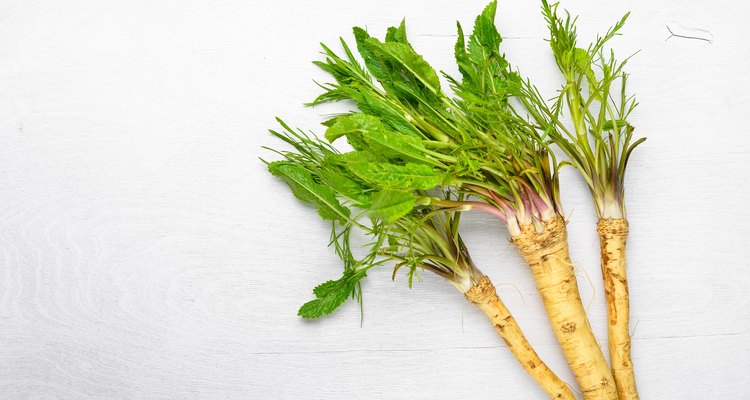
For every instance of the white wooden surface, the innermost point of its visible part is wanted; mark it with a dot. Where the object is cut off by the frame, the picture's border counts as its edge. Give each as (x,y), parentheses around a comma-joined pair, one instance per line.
(146,254)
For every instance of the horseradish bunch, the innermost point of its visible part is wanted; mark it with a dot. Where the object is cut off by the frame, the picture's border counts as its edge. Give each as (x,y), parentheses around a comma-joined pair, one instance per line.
(421,155)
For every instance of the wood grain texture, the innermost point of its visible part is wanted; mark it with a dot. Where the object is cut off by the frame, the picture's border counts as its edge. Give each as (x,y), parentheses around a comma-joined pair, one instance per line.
(146,254)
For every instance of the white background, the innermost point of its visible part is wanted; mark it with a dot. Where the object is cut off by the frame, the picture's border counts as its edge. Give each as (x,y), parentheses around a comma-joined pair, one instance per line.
(146,254)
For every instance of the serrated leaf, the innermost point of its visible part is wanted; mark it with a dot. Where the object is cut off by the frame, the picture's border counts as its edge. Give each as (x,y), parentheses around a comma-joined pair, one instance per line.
(306,189)
(407,59)
(409,177)
(330,295)
(346,187)
(486,82)
(485,39)
(389,116)
(357,123)
(395,145)
(390,205)
(344,159)
(397,35)
(373,63)
(462,58)
(329,122)
(366,132)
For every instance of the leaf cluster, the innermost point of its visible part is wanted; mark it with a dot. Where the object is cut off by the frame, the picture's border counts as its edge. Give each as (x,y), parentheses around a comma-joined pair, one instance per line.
(472,141)
(420,155)
(400,224)
(600,141)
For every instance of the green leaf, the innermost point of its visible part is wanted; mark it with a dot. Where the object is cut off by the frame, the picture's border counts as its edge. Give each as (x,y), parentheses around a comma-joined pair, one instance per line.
(485,39)
(330,295)
(410,176)
(395,145)
(397,35)
(357,123)
(304,187)
(581,58)
(486,80)
(344,159)
(392,117)
(390,205)
(462,58)
(610,125)
(405,57)
(628,152)
(373,63)
(345,186)
(366,132)
(395,60)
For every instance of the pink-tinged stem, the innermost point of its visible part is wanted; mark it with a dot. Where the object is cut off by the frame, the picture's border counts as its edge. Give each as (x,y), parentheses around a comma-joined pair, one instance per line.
(506,208)
(541,206)
(494,196)
(488,209)
(480,190)
(535,200)
(472,205)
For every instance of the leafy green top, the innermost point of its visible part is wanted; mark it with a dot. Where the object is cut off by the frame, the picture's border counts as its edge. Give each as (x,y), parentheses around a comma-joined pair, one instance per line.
(600,141)
(420,156)
(474,142)
(401,227)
